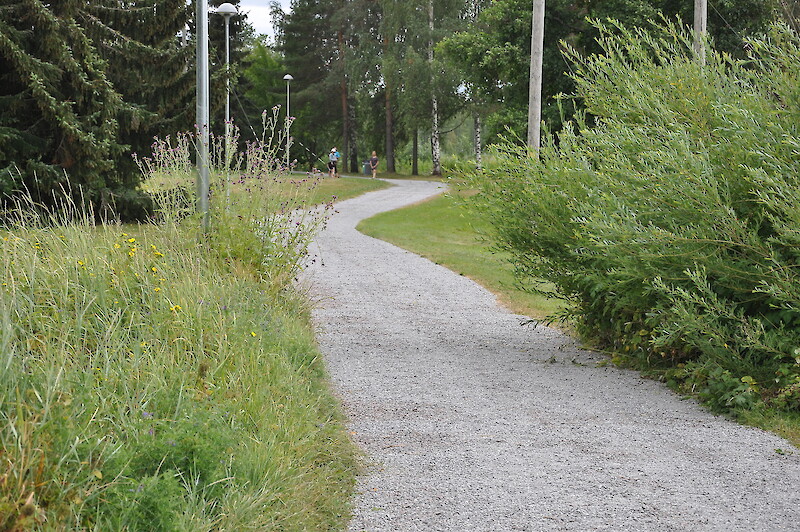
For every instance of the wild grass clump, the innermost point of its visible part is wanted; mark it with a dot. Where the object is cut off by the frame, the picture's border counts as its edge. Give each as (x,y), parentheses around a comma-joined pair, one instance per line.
(668,213)
(160,377)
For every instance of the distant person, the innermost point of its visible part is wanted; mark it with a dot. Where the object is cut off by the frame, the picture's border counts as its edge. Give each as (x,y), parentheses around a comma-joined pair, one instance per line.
(333,160)
(373,165)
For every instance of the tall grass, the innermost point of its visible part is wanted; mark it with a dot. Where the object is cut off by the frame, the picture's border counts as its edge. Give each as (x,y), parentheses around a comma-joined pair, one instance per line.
(161,378)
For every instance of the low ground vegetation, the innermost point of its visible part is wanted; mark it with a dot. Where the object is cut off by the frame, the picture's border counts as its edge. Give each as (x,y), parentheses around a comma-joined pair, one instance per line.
(162,377)
(667,215)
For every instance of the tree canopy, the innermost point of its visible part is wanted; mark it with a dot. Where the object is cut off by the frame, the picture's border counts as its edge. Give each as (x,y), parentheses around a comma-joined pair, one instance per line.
(82,84)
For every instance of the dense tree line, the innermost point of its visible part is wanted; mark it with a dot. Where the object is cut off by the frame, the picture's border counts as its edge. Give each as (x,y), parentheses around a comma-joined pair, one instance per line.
(376,73)
(83,84)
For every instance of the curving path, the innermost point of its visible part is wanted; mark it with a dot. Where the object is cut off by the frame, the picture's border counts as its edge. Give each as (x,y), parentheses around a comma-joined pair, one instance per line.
(471,421)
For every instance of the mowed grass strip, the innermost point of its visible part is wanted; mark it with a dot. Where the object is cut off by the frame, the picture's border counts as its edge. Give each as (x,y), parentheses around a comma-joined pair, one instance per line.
(442,231)
(343,188)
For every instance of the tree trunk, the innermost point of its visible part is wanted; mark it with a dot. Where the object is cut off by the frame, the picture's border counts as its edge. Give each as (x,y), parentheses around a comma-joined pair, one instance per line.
(351,113)
(478,149)
(415,153)
(436,151)
(345,114)
(389,131)
(389,117)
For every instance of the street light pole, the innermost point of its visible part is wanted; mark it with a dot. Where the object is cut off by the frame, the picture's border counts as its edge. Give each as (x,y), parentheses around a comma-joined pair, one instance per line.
(288,78)
(227,10)
(202,110)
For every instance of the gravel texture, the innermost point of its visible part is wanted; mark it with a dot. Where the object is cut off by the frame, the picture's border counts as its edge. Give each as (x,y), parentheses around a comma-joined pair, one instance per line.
(471,421)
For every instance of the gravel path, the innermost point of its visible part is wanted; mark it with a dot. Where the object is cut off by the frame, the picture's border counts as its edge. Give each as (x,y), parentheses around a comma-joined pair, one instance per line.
(471,421)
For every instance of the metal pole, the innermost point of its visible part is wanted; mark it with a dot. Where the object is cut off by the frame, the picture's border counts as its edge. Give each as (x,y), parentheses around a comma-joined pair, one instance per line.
(535,90)
(202,110)
(227,83)
(227,111)
(287,125)
(700,29)
(288,78)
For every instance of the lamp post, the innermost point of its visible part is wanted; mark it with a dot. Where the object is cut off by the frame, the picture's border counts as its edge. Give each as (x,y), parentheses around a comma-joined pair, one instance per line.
(288,78)
(227,10)
(202,110)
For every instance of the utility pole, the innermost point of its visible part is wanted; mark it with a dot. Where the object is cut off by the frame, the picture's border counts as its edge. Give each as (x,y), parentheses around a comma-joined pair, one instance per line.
(201,20)
(700,29)
(535,90)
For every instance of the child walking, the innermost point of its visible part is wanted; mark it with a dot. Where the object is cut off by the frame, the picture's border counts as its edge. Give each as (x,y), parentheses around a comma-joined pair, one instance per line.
(373,164)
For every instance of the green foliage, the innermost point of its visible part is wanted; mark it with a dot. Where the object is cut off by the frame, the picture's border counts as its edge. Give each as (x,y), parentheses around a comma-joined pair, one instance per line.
(308,42)
(671,223)
(57,108)
(265,73)
(160,378)
(82,85)
(493,57)
(493,53)
(151,69)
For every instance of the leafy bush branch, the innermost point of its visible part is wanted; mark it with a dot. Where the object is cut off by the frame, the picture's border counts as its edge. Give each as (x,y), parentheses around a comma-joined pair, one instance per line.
(668,212)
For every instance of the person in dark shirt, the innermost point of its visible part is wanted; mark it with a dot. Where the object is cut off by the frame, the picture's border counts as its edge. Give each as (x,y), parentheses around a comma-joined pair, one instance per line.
(373,164)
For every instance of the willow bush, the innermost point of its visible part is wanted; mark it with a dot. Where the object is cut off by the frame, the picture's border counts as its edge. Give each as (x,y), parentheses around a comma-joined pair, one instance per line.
(669,212)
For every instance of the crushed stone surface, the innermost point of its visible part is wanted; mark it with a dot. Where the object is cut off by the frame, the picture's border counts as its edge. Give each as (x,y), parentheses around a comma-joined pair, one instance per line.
(471,421)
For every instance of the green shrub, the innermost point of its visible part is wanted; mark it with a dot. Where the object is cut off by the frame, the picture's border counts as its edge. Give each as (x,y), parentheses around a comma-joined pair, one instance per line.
(669,214)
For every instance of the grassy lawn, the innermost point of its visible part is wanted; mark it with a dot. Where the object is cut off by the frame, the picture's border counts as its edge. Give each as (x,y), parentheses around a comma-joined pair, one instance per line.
(345,188)
(441,231)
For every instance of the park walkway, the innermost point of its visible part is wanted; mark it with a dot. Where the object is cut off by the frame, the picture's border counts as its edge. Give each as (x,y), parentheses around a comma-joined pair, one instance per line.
(472,422)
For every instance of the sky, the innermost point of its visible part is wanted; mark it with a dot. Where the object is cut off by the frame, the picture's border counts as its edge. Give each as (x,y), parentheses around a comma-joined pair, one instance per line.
(258,14)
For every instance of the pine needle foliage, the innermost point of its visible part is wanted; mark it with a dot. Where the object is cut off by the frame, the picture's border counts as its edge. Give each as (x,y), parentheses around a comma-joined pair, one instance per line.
(668,212)
(83,83)
(57,108)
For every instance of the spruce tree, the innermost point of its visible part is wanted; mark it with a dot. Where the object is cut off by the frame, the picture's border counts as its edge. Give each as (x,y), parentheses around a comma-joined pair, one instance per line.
(309,46)
(150,62)
(84,84)
(58,110)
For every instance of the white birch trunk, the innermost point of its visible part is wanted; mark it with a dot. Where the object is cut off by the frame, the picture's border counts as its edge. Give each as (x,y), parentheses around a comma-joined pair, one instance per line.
(436,152)
(478,149)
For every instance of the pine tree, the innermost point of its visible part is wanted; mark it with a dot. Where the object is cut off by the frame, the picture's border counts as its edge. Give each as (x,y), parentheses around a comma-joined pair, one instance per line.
(309,47)
(150,66)
(58,110)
